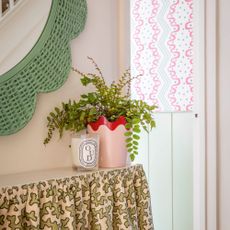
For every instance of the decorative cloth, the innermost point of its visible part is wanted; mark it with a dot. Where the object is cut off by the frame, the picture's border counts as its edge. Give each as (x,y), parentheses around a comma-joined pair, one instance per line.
(108,199)
(162,51)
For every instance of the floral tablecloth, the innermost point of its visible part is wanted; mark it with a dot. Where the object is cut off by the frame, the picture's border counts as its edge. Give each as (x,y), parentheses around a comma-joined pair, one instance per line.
(107,199)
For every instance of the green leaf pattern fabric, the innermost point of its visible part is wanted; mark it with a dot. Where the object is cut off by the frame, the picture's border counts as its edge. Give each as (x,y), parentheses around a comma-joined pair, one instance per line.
(109,199)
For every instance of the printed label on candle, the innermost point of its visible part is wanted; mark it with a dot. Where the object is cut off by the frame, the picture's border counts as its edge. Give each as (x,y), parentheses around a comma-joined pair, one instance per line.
(88,153)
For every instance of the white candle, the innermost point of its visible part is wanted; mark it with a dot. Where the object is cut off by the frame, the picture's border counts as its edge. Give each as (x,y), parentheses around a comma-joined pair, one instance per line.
(85,150)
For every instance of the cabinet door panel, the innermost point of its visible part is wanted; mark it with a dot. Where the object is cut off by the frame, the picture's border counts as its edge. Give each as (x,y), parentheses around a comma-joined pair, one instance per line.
(182,146)
(160,172)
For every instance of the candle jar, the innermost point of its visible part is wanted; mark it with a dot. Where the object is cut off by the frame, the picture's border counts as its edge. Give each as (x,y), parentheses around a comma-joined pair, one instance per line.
(85,151)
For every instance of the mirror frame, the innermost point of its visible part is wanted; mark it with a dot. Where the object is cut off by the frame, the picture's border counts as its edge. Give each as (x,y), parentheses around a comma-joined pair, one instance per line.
(44,69)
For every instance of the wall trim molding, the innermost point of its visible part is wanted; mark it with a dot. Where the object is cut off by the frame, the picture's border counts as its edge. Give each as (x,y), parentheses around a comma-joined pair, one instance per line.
(211,114)
(199,212)
(205,131)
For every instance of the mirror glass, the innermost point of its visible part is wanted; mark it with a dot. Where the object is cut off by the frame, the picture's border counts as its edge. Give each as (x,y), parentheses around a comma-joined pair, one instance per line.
(21,24)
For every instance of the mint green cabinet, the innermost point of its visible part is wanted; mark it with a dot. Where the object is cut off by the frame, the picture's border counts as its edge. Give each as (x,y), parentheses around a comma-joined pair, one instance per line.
(167,156)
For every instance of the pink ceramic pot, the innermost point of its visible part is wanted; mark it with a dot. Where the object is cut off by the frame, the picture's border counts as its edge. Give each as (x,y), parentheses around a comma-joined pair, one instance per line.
(113,152)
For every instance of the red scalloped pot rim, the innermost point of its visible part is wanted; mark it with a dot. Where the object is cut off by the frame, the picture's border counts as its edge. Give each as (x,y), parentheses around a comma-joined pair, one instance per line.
(111,125)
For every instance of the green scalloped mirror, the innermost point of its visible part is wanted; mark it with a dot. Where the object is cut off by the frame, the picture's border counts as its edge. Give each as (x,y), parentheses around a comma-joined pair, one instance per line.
(44,69)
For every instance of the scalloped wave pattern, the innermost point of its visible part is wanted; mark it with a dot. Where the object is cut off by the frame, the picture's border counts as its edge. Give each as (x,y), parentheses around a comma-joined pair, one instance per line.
(162,52)
(44,69)
(110,125)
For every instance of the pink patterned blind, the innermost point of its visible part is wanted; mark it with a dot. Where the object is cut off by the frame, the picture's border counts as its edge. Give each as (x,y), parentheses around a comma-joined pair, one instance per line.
(161,50)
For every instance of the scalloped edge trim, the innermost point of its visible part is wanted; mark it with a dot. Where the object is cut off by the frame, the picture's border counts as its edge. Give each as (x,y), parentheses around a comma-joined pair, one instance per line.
(24,119)
(111,125)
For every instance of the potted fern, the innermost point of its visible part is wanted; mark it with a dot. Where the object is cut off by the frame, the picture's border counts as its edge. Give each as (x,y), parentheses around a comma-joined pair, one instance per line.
(108,106)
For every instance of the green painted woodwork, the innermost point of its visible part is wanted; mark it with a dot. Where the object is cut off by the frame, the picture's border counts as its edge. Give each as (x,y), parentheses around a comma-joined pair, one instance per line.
(166,155)
(44,69)
(160,172)
(182,171)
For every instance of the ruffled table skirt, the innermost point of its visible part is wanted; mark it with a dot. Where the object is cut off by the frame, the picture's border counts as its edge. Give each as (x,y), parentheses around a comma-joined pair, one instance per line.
(105,199)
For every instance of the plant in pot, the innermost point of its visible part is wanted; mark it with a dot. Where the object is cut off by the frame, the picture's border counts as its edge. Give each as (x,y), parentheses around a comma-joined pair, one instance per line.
(109,111)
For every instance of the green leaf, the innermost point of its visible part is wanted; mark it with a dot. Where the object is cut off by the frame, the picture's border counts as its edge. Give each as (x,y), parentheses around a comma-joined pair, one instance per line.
(136,130)
(128,126)
(130,150)
(135,152)
(129,145)
(82,117)
(127,134)
(85,80)
(52,115)
(84,96)
(152,124)
(153,107)
(128,139)
(136,137)
(145,128)
(128,120)
(132,157)
(63,105)
(91,97)
(135,142)
(57,110)
(92,111)
(136,120)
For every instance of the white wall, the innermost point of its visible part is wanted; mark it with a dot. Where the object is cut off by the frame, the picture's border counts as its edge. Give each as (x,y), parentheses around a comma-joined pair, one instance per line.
(224,114)
(24,151)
